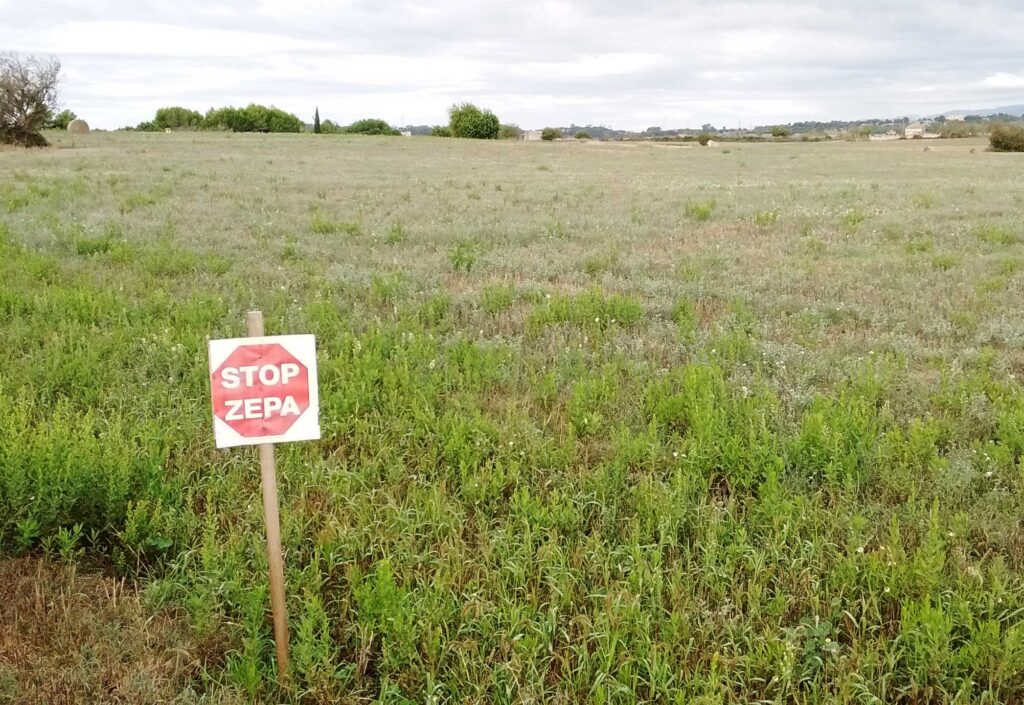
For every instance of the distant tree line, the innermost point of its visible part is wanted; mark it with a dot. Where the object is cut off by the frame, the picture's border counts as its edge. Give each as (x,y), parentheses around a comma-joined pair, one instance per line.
(252,118)
(255,118)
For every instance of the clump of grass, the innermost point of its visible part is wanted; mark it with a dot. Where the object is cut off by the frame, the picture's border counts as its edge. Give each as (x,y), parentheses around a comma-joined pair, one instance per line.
(766,218)
(923,200)
(852,217)
(324,226)
(945,262)
(385,289)
(88,245)
(995,235)
(463,255)
(556,230)
(684,313)
(396,234)
(919,245)
(599,263)
(497,298)
(1009,266)
(290,252)
(134,201)
(592,309)
(699,210)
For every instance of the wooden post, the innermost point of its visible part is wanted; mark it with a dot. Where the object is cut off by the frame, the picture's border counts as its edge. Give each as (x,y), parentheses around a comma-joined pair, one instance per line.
(268,470)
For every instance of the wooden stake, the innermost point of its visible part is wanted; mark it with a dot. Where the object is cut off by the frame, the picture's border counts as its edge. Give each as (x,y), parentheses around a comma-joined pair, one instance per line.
(268,470)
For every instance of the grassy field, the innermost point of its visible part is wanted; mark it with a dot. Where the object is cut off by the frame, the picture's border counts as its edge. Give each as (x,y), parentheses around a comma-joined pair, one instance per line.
(602,423)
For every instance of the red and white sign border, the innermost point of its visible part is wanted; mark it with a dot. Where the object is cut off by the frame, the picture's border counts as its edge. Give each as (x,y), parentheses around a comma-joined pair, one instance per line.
(307,426)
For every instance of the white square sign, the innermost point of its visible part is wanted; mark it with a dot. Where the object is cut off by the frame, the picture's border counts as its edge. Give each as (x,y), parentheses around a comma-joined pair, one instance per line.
(264,390)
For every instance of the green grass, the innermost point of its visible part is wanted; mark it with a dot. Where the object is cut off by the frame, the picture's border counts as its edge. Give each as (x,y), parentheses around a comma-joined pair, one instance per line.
(568,454)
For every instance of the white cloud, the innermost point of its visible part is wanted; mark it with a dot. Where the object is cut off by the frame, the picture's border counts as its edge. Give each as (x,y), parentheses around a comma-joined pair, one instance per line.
(1004,80)
(551,62)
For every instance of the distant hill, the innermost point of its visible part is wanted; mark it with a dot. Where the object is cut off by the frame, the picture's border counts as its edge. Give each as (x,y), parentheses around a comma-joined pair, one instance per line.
(1015,110)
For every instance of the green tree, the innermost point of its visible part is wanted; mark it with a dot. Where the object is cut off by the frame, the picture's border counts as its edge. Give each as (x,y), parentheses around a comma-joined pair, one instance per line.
(549,134)
(441,131)
(583,135)
(467,120)
(177,118)
(780,131)
(60,120)
(316,121)
(371,126)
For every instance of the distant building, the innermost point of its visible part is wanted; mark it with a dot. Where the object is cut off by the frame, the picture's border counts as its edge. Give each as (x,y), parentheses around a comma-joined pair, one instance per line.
(531,135)
(406,133)
(914,129)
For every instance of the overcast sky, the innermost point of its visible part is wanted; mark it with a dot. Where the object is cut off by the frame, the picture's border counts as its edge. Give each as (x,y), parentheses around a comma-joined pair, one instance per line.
(622,63)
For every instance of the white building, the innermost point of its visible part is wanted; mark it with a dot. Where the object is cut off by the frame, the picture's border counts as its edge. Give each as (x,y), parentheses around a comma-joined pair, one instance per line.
(532,135)
(914,129)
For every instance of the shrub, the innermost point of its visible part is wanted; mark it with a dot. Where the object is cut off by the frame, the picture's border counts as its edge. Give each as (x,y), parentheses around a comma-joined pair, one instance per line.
(780,131)
(467,120)
(370,126)
(1007,138)
(699,210)
(28,94)
(591,310)
(253,118)
(583,135)
(703,139)
(329,127)
(177,118)
(61,120)
(441,131)
(462,254)
(509,132)
(497,298)
(549,134)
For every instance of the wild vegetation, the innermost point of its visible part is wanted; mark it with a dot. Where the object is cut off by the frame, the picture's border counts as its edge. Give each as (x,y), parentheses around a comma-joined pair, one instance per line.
(1007,138)
(28,98)
(601,423)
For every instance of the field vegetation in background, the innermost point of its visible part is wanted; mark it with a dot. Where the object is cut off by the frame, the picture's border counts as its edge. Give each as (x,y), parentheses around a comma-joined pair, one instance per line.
(601,423)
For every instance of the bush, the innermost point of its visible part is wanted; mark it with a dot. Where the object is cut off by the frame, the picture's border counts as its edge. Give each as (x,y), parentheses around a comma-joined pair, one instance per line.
(61,120)
(550,134)
(253,118)
(467,120)
(583,135)
(509,132)
(703,139)
(441,131)
(28,94)
(780,131)
(1006,138)
(177,118)
(371,126)
(329,127)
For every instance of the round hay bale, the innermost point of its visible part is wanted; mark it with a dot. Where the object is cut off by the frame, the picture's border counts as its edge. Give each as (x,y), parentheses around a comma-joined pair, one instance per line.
(713,143)
(78,127)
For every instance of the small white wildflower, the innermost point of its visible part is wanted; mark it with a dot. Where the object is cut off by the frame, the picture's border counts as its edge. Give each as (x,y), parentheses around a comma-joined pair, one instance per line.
(860,549)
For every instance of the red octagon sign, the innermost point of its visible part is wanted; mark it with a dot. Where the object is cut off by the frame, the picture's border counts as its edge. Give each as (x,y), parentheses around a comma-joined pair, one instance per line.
(260,390)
